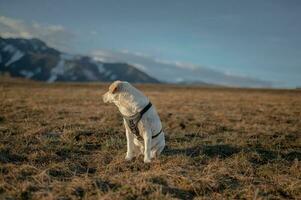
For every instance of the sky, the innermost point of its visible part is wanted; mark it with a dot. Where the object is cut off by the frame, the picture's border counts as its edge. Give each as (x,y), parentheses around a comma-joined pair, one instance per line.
(258,40)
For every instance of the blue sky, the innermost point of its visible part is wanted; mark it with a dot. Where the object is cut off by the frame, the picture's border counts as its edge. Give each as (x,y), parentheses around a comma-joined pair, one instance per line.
(259,39)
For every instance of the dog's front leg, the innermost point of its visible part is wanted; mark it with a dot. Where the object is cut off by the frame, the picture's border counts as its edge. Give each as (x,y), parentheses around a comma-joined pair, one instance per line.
(130,145)
(147,148)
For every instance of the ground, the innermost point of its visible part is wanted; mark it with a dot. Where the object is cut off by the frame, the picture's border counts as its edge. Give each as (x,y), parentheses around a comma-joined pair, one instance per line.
(60,141)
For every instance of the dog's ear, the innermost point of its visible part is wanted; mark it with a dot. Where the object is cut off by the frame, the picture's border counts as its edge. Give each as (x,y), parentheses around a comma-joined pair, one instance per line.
(115,87)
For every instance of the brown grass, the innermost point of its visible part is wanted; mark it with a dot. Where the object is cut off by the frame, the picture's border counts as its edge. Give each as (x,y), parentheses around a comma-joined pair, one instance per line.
(61,142)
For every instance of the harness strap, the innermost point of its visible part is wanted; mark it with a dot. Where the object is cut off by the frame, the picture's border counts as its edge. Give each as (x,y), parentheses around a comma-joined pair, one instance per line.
(154,136)
(145,109)
(132,121)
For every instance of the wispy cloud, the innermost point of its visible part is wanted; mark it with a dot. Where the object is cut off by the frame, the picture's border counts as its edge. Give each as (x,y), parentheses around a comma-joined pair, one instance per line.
(93,32)
(176,71)
(54,35)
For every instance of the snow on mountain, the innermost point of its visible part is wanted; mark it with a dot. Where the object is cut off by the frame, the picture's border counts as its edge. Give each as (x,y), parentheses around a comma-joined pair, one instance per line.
(59,69)
(27,74)
(16,54)
(32,58)
(99,64)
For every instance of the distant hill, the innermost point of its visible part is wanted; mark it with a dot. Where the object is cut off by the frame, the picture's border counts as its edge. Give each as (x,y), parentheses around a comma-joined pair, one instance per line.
(33,59)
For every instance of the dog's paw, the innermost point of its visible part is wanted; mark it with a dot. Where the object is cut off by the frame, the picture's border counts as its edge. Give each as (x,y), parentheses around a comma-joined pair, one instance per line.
(147,160)
(128,158)
(153,154)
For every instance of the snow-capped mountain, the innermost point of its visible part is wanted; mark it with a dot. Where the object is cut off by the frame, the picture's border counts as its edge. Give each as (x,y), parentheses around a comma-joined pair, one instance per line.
(33,59)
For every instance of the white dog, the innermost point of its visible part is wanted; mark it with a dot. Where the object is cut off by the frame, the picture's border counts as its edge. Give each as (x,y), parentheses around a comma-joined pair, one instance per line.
(142,124)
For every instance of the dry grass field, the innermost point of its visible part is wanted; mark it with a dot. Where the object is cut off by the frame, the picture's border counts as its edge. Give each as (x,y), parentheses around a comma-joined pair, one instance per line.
(60,141)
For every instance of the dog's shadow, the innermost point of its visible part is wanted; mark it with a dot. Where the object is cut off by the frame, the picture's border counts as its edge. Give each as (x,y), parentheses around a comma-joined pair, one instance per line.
(219,150)
(224,151)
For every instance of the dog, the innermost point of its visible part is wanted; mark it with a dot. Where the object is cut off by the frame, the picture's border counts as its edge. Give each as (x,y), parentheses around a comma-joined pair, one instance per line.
(142,123)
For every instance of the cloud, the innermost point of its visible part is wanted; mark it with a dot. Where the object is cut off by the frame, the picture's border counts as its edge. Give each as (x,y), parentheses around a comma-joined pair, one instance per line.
(176,71)
(139,54)
(93,32)
(54,35)
(139,66)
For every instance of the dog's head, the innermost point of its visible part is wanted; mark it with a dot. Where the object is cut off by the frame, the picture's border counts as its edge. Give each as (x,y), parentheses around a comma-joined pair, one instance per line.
(117,90)
(125,96)
(112,94)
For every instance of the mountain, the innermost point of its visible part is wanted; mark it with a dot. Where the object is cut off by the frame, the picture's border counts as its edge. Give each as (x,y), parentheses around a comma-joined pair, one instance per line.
(33,59)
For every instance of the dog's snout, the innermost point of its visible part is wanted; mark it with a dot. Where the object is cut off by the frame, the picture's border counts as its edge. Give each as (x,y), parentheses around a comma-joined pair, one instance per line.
(105,98)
